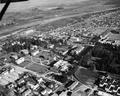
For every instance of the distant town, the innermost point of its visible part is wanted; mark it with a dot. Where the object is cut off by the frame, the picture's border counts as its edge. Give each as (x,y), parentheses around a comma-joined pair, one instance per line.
(79,59)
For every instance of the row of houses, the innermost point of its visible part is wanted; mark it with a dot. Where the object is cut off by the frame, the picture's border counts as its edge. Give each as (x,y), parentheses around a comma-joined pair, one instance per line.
(20,58)
(28,85)
(109,85)
(6,70)
(110,38)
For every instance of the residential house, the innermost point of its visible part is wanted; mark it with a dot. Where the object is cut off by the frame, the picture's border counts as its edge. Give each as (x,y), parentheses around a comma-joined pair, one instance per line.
(46,92)
(24,51)
(101,93)
(109,85)
(79,49)
(40,80)
(4,71)
(11,85)
(33,85)
(20,60)
(73,85)
(35,52)
(34,47)
(21,89)
(11,69)
(27,92)
(15,56)
(20,81)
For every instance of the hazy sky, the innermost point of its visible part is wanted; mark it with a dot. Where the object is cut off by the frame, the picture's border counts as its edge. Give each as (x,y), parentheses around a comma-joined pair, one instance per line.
(34,3)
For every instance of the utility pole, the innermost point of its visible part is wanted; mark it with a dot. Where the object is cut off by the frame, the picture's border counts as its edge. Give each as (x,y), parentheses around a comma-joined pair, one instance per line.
(4,9)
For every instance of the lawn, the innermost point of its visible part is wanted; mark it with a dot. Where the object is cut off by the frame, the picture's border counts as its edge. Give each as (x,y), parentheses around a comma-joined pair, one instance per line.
(38,68)
(85,76)
(25,63)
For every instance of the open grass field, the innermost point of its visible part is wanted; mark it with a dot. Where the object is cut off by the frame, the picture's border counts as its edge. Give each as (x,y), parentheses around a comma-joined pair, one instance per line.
(25,63)
(85,76)
(38,68)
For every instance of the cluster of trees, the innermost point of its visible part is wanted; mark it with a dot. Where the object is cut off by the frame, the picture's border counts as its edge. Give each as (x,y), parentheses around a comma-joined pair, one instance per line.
(8,47)
(56,41)
(103,57)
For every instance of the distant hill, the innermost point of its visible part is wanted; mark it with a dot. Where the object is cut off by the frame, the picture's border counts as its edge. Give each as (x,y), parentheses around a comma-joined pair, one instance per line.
(4,1)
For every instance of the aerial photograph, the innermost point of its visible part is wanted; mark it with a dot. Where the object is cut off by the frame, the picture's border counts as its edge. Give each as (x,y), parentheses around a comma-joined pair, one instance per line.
(59,47)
